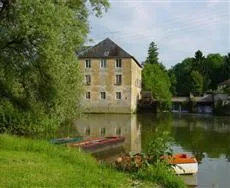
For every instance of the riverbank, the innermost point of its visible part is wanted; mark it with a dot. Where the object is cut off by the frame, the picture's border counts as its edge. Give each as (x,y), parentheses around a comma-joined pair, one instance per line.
(37,163)
(30,163)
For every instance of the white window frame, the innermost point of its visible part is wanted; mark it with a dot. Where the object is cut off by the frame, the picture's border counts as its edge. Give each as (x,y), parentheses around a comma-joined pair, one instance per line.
(103,63)
(103,95)
(118,63)
(87,63)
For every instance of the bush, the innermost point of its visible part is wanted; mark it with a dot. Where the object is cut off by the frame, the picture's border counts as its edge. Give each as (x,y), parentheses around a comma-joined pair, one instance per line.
(160,144)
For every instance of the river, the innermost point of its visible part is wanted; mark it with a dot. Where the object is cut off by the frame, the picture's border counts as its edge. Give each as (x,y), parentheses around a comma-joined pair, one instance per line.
(206,137)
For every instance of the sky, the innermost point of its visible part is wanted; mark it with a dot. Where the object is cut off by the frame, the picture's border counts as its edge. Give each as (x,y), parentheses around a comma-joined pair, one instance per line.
(178,27)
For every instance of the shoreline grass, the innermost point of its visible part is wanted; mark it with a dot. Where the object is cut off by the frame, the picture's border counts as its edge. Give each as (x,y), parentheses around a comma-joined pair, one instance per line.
(30,163)
(37,163)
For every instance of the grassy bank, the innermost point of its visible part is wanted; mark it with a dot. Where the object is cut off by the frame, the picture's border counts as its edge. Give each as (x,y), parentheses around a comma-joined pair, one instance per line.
(36,163)
(30,163)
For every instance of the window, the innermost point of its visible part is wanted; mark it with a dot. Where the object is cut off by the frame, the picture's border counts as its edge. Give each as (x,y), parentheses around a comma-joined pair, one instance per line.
(118,95)
(87,63)
(87,79)
(103,63)
(103,131)
(87,95)
(87,131)
(118,63)
(118,79)
(103,95)
(118,131)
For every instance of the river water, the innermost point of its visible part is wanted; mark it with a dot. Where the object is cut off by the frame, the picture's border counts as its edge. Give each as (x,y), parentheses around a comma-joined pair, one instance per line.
(206,137)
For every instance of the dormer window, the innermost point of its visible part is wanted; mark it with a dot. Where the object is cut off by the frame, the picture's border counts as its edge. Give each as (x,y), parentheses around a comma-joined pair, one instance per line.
(103,63)
(87,63)
(118,63)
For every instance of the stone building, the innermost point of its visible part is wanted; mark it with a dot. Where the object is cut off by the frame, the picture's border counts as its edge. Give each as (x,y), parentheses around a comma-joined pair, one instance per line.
(112,79)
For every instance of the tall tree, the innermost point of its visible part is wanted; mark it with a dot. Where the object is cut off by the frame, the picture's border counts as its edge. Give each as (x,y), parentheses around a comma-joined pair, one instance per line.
(152,54)
(40,80)
(155,77)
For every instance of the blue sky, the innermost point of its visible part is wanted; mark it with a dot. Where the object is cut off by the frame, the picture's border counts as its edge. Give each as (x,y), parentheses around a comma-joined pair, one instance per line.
(178,27)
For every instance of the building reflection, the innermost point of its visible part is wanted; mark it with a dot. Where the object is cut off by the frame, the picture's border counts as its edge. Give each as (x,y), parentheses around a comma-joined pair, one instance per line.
(100,125)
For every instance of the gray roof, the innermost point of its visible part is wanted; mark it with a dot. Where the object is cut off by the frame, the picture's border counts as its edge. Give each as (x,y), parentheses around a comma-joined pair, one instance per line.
(104,49)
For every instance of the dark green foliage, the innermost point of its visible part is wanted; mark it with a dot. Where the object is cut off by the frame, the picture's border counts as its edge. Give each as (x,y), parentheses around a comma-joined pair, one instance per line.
(152,54)
(227,66)
(199,73)
(197,81)
(40,80)
(215,66)
(173,81)
(182,74)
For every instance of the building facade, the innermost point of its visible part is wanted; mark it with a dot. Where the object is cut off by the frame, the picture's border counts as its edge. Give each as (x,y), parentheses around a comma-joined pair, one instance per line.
(112,79)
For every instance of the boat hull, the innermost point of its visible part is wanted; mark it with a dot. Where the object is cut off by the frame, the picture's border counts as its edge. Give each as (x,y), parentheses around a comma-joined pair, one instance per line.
(182,163)
(65,140)
(98,144)
(185,168)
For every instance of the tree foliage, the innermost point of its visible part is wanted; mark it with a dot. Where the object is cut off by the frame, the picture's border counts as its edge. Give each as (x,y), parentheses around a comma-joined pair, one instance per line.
(200,73)
(40,80)
(152,54)
(155,77)
(157,81)
(197,81)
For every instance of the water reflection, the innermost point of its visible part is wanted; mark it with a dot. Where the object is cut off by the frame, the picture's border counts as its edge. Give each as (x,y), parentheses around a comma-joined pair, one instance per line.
(98,125)
(206,137)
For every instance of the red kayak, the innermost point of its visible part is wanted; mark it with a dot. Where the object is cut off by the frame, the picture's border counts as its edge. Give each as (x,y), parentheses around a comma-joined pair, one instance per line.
(97,144)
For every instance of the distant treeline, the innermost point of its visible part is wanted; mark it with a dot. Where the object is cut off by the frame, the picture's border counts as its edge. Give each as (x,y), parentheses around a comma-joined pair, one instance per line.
(199,73)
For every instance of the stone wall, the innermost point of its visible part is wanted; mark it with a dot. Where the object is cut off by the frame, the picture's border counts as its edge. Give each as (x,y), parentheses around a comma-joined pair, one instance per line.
(103,80)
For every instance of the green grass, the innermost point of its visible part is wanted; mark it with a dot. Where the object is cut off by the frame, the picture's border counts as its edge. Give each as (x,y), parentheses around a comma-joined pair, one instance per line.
(29,163)
(35,163)
(162,174)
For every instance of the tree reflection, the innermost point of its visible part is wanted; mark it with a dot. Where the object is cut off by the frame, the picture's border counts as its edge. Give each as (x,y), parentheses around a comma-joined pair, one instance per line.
(199,134)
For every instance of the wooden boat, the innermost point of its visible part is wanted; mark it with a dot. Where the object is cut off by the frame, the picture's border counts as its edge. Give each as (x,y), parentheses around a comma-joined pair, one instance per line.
(98,144)
(182,163)
(65,140)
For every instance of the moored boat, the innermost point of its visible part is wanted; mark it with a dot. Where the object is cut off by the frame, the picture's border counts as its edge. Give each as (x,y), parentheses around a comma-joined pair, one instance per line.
(98,144)
(65,140)
(182,163)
